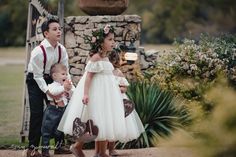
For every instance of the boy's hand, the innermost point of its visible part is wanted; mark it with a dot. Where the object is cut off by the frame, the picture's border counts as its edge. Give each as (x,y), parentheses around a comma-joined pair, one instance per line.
(56,97)
(67,85)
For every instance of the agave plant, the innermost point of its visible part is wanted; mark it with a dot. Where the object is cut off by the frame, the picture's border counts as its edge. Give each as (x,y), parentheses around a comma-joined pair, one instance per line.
(158,111)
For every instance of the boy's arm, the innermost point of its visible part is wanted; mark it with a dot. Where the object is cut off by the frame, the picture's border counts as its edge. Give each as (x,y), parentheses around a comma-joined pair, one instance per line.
(70,92)
(64,60)
(37,69)
(54,89)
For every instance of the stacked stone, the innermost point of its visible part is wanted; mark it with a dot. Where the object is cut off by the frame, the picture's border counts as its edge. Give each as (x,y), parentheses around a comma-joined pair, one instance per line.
(78,26)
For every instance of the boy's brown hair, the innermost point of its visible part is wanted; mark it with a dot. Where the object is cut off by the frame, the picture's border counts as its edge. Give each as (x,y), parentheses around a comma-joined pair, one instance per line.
(57,67)
(45,25)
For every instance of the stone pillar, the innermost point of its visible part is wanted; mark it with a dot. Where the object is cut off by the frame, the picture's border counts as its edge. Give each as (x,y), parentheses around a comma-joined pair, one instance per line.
(75,28)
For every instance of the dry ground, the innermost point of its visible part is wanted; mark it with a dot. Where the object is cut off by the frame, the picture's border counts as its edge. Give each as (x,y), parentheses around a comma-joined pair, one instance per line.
(147,152)
(16,56)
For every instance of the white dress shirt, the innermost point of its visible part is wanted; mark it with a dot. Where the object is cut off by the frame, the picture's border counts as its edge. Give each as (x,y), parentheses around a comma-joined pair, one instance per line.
(36,63)
(56,88)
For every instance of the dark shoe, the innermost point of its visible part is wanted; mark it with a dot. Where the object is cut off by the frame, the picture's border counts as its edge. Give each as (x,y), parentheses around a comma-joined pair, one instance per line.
(62,150)
(33,153)
(45,154)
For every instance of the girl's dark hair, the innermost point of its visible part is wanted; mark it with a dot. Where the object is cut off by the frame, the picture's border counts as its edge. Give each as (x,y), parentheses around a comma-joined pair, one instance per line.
(97,38)
(114,58)
(45,25)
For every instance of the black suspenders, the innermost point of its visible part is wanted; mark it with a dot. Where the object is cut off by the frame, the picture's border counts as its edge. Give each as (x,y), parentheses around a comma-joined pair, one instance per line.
(45,56)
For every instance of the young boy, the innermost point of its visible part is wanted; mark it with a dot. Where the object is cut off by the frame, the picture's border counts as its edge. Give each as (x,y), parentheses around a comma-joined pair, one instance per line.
(49,52)
(55,107)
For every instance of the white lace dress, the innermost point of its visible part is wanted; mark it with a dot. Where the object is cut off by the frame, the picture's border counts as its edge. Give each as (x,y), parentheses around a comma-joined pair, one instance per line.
(105,105)
(134,125)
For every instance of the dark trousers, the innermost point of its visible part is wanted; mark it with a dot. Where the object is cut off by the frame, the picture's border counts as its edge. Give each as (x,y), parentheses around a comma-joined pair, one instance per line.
(36,103)
(51,119)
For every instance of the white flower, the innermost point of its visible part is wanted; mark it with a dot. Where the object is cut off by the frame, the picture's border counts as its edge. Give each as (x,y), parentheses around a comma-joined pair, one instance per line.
(206,74)
(193,67)
(185,66)
(107,29)
(189,72)
(93,40)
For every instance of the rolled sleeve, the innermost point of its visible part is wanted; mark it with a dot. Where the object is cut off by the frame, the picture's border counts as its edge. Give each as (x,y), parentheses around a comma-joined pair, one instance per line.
(64,61)
(37,67)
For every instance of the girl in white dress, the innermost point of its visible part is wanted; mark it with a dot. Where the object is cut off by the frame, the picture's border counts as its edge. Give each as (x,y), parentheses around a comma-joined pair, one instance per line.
(134,125)
(98,90)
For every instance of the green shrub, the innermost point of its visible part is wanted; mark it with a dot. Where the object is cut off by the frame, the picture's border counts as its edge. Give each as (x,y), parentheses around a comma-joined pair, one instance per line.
(225,48)
(213,135)
(193,67)
(160,112)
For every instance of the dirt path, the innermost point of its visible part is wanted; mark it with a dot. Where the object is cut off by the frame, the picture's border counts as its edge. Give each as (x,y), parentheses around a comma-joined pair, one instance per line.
(147,152)
(5,61)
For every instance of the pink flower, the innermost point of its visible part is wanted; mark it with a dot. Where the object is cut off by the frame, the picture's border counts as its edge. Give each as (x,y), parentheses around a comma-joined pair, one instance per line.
(93,40)
(106,29)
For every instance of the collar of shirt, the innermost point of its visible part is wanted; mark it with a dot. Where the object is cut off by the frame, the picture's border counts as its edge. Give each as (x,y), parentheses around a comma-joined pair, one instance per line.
(47,44)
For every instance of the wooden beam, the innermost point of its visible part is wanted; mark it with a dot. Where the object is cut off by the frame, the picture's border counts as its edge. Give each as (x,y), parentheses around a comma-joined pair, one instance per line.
(60,14)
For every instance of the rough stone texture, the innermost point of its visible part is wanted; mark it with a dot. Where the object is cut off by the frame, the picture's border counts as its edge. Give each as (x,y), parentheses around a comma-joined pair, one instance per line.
(126,27)
(147,60)
(70,40)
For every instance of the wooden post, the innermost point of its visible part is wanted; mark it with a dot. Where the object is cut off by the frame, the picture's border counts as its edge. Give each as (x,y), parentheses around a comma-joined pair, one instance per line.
(60,14)
(31,42)
(25,100)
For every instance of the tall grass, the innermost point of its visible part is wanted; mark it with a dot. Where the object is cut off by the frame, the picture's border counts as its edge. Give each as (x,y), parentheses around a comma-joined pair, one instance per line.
(11,87)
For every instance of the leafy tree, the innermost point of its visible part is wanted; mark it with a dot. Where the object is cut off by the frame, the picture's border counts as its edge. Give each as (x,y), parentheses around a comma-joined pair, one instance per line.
(13,19)
(162,20)
(165,20)
(13,22)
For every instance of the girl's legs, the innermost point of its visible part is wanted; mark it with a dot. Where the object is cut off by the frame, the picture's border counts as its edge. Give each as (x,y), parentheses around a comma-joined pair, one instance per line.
(111,148)
(103,148)
(97,148)
(76,149)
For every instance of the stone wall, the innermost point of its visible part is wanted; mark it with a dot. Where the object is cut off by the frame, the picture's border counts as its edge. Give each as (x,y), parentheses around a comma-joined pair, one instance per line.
(126,27)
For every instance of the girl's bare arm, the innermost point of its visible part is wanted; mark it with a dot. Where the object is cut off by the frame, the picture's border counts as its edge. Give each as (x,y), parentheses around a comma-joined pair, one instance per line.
(87,84)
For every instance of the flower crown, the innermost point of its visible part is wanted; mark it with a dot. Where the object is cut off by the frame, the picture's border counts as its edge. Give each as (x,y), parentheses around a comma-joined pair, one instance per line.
(97,37)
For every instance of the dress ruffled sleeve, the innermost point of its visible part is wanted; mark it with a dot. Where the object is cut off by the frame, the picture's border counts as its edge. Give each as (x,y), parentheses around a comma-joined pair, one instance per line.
(94,67)
(123,81)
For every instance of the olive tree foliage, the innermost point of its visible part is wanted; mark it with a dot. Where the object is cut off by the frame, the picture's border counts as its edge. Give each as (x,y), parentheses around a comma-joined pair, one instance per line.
(167,20)
(163,21)
(13,18)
